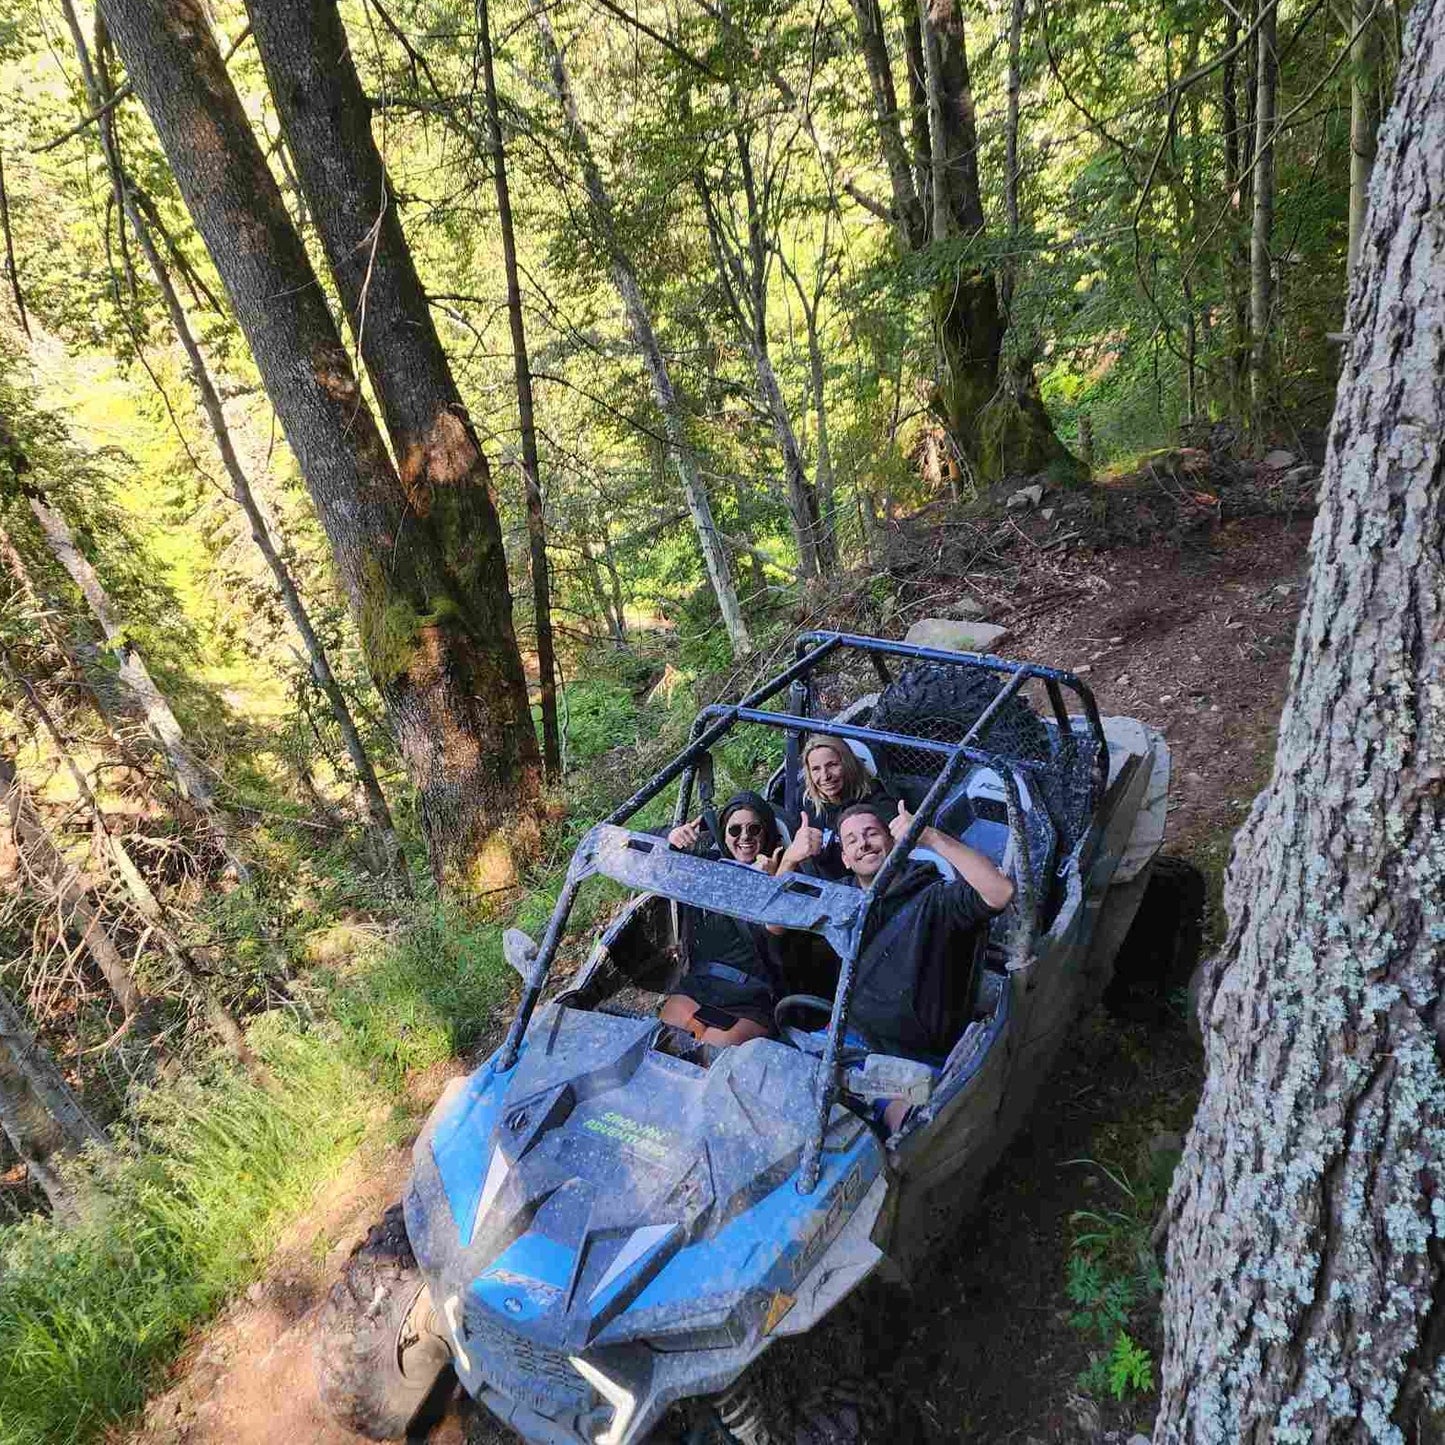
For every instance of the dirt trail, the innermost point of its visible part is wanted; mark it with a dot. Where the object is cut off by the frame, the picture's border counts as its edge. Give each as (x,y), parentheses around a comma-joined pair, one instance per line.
(1193,641)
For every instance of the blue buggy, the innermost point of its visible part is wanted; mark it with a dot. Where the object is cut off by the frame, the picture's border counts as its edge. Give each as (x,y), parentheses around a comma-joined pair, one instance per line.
(608,1222)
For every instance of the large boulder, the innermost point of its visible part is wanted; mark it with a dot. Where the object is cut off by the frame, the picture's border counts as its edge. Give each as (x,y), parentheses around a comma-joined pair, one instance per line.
(956,635)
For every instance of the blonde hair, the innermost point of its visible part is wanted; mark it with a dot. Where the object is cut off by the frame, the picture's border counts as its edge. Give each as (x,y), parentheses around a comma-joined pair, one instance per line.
(856,782)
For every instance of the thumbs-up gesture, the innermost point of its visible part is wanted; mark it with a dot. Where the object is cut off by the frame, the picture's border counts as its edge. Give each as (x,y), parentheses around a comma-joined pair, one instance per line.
(807,843)
(684,837)
(901,822)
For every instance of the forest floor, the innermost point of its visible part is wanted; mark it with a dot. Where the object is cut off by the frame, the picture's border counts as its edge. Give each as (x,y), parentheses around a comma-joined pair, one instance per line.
(1190,633)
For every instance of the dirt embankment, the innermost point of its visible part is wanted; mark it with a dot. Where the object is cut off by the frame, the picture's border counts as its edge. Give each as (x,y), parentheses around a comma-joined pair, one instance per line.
(1194,639)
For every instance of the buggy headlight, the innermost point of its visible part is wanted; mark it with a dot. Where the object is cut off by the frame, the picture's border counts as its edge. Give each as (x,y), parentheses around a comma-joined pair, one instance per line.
(622,1400)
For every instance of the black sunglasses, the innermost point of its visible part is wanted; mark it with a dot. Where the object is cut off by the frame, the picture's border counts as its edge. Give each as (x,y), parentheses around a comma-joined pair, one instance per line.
(745,830)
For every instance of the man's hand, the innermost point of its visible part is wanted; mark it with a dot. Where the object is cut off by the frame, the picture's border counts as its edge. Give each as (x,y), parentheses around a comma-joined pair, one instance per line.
(684,837)
(807,843)
(901,823)
(993,886)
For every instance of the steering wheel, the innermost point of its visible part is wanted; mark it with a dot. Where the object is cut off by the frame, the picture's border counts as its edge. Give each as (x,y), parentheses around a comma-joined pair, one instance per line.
(797,1001)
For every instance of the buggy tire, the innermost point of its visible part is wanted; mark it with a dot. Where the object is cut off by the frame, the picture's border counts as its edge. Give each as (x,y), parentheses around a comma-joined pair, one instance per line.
(848,1411)
(1161,949)
(378,1355)
(936,700)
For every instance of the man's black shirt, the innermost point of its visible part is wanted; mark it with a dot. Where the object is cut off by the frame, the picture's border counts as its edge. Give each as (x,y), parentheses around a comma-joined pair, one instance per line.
(914,985)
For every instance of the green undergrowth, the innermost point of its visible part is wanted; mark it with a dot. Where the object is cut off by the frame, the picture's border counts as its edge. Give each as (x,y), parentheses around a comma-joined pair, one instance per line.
(212,1168)
(1113,1279)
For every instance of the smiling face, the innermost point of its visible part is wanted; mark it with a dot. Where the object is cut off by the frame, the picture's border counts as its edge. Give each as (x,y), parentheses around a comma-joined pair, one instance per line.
(743,835)
(866,842)
(825,771)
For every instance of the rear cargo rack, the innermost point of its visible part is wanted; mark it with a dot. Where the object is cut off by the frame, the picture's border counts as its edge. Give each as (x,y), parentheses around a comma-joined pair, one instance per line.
(837,912)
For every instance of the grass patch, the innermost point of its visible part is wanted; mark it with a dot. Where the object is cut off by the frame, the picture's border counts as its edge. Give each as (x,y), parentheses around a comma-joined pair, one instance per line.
(212,1171)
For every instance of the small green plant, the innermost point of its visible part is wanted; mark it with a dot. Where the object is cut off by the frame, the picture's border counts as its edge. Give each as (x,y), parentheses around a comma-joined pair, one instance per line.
(1110,1276)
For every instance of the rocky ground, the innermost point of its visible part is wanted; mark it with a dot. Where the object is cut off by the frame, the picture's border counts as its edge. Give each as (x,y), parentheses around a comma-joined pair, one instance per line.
(1188,628)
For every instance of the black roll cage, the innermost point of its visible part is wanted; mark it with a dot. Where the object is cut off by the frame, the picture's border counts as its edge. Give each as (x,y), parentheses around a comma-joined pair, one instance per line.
(838,912)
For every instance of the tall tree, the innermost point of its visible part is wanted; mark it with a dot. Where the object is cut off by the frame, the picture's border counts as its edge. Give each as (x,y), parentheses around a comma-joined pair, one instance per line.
(526,412)
(99,97)
(639,318)
(438,652)
(1364,117)
(994,413)
(1305,1297)
(743,252)
(1261,257)
(326,120)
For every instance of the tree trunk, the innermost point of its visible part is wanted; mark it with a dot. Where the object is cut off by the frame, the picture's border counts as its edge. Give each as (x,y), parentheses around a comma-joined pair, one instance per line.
(161,722)
(909,218)
(58,878)
(823,479)
(1009,272)
(742,268)
(1305,1297)
(526,419)
(639,318)
(326,119)
(1364,119)
(434,649)
(1235,259)
(97,89)
(12,271)
(45,614)
(614,582)
(39,1114)
(1260,278)
(604,604)
(993,412)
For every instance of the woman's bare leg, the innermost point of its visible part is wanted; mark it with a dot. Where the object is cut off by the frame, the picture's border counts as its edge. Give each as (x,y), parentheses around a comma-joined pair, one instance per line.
(677,1009)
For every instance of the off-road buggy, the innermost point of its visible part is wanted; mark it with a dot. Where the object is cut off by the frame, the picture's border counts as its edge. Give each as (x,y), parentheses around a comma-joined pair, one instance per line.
(608,1222)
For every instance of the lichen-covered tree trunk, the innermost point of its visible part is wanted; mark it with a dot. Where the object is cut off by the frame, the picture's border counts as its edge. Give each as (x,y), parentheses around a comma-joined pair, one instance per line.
(433,648)
(326,119)
(41,1117)
(639,318)
(1305,1298)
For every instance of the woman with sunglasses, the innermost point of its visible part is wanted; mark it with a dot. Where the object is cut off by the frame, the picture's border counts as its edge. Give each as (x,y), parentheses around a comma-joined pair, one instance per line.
(728,992)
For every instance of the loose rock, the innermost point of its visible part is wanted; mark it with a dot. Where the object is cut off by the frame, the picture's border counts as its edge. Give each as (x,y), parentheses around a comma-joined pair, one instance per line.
(957,636)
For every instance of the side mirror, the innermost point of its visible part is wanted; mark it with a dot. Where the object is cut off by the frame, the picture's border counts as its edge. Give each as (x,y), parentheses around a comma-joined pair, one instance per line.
(520,951)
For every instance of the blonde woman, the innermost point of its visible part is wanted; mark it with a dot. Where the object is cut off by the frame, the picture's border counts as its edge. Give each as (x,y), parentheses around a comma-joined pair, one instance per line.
(834,778)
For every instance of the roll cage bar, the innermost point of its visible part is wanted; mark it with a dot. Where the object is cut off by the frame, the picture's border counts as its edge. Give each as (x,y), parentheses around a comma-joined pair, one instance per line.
(839,913)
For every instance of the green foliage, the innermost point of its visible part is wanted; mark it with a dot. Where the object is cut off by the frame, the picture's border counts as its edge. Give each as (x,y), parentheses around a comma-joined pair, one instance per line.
(89,1316)
(211,1169)
(424,995)
(1113,1280)
(601,714)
